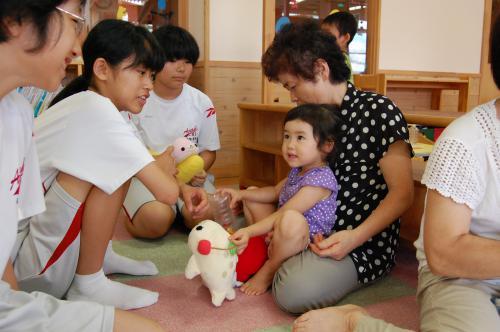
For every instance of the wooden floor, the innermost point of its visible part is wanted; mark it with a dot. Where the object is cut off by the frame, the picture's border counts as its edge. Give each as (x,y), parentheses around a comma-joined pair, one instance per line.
(227,182)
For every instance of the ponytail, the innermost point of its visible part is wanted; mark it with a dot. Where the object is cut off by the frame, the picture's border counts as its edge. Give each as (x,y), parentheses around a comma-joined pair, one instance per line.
(79,84)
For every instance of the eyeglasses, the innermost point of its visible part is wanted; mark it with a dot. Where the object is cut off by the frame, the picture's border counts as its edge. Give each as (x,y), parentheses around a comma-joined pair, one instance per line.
(79,21)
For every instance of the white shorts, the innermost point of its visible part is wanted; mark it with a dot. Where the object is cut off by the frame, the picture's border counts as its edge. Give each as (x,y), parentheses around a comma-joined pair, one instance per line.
(38,242)
(39,312)
(138,195)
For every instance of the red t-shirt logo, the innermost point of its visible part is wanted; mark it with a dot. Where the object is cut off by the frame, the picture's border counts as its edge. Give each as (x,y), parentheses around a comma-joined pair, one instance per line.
(210,112)
(15,183)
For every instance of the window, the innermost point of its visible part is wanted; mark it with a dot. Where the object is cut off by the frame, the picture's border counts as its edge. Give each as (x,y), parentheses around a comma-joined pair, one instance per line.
(299,10)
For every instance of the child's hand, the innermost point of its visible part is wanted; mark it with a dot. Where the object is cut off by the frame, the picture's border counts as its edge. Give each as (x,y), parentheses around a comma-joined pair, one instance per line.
(167,162)
(234,194)
(240,239)
(199,179)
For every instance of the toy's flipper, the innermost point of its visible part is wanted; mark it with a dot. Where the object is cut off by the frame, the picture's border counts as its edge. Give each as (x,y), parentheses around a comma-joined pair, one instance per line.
(192,269)
(230,294)
(217,298)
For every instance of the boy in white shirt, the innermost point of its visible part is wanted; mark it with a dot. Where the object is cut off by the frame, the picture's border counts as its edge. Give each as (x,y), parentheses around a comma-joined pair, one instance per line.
(174,109)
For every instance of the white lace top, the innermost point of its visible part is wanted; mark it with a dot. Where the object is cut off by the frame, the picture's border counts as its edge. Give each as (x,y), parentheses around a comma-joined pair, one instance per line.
(465,166)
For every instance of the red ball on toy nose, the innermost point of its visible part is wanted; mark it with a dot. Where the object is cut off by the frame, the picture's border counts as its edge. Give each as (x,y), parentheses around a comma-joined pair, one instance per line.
(204,247)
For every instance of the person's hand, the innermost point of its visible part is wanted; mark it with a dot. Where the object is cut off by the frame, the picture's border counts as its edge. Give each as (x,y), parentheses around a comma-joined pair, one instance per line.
(269,237)
(196,200)
(199,179)
(240,239)
(235,196)
(167,162)
(337,246)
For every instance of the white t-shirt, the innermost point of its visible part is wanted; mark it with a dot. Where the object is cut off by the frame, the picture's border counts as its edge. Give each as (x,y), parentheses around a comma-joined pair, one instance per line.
(190,115)
(85,136)
(465,166)
(21,193)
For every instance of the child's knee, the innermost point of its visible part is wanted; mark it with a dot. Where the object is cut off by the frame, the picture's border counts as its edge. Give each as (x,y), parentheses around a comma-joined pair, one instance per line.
(291,224)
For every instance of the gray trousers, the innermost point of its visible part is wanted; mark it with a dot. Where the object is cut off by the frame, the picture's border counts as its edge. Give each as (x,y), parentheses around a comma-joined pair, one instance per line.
(307,281)
(448,304)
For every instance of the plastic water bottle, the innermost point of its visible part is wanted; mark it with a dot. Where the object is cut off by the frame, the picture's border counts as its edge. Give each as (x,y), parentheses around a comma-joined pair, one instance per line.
(222,212)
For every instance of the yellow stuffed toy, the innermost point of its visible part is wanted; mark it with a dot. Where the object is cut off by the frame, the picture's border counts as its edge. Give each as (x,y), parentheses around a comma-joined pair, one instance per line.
(189,163)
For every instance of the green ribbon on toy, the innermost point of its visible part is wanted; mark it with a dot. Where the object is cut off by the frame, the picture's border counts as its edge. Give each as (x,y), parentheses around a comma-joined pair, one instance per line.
(233,250)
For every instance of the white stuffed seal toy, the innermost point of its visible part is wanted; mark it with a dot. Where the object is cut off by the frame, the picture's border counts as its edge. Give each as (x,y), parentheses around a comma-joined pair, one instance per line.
(214,257)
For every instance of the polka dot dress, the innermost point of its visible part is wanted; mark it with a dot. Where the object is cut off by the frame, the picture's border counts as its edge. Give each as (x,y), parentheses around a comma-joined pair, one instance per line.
(321,216)
(371,123)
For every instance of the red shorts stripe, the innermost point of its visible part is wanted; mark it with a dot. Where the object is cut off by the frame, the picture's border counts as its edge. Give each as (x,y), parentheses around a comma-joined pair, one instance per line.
(69,237)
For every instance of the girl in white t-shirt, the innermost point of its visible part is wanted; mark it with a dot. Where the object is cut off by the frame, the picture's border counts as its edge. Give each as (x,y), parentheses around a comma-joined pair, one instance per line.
(38,38)
(87,154)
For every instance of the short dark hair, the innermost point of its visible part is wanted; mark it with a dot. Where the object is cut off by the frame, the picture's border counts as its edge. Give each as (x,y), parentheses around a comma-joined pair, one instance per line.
(495,51)
(325,122)
(345,22)
(296,49)
(37,12)
(177,43)
(115,41)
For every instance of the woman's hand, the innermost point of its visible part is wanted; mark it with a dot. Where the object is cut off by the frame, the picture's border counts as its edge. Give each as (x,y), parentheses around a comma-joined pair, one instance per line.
(337,246)
(240,238)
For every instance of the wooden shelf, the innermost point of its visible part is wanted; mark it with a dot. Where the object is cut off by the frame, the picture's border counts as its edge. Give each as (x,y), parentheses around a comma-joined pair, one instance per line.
(261,133)
(276,150)
(431,118)
(467,86)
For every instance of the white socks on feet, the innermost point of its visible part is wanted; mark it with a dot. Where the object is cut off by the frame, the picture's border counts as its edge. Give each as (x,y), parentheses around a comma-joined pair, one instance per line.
(98,288)
(114,263)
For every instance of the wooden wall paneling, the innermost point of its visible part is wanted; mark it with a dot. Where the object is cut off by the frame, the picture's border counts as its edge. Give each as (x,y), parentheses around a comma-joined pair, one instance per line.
(228,86)
(197,78)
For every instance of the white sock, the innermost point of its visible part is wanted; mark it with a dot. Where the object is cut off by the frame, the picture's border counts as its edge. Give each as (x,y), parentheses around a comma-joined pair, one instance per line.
(98,288)
(114,263)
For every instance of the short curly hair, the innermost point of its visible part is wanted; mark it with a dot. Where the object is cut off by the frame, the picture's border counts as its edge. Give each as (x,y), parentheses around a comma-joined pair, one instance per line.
(296,50)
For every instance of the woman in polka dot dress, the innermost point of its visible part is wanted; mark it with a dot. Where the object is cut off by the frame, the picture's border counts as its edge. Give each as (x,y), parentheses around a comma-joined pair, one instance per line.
(373,173)
(306,198)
